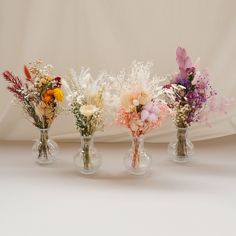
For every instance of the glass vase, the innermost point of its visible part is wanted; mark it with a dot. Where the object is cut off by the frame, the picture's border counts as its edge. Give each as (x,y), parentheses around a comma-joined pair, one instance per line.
(181,149)
(87,160)
(44,149)
(137,161)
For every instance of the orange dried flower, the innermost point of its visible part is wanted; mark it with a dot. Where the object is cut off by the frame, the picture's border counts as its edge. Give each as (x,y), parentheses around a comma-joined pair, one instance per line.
(48,96)
(27,73)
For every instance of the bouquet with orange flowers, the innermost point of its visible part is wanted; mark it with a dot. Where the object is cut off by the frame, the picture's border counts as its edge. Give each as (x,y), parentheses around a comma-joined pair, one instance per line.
(39,95)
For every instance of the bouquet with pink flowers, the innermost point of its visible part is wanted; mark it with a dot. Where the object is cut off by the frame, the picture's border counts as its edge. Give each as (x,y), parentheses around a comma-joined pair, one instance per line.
(140,113)
(187,94)
(141,110)
(192,91)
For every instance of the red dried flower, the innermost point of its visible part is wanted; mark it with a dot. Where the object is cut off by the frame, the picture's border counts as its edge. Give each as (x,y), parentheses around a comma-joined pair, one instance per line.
(58,81)
(27,73)
(167,86)
(15,86)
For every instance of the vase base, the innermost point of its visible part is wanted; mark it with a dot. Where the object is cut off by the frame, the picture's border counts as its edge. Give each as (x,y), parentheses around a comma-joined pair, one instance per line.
(44,162)
(137,171)
(87,172)
(181,159)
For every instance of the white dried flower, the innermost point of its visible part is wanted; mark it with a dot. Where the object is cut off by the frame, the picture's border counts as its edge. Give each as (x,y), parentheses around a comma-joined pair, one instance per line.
(88,110)
(135,102)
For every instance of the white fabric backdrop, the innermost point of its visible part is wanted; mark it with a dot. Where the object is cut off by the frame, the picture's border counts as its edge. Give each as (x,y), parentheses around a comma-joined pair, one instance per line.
(110,34)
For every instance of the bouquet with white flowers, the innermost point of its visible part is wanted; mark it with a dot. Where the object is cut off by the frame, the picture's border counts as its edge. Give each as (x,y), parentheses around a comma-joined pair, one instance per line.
(93,103)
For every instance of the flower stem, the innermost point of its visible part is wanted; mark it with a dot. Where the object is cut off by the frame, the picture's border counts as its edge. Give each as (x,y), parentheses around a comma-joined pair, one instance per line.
(86,157)
(135,160)
(43,151)
(181,146)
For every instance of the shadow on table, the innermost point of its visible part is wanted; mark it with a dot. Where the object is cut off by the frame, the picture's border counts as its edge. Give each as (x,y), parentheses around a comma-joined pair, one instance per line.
(196,176)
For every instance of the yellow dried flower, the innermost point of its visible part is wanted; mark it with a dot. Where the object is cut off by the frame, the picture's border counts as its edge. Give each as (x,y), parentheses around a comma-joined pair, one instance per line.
(58,94)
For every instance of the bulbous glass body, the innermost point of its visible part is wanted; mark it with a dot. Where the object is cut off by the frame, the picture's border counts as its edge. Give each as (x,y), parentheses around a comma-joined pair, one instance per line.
(181,149)
(44,149)
(137,161)
(87,160)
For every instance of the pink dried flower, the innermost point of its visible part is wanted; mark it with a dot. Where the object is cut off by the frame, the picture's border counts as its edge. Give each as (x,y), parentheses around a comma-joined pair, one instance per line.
(149,112)
(183,59)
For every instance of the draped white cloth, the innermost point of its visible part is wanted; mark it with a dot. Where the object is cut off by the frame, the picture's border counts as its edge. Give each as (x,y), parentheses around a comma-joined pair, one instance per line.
(110,34)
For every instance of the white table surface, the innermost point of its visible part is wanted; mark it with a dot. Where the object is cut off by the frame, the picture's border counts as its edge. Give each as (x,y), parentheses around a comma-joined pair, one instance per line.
(198,198)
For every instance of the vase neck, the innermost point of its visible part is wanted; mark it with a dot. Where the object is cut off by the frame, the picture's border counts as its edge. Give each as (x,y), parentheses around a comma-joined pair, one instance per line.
(43,134)
(138,141)
(183,132)
(87,140)
(43,130)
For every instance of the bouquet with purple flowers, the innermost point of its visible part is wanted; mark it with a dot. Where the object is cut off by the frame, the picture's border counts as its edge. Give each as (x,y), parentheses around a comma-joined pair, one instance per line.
(189,96)
(193,93)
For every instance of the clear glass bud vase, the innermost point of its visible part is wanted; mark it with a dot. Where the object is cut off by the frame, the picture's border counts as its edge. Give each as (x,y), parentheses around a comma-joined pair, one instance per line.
(44,149)
(137,161)
(87,160)
(181,149)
